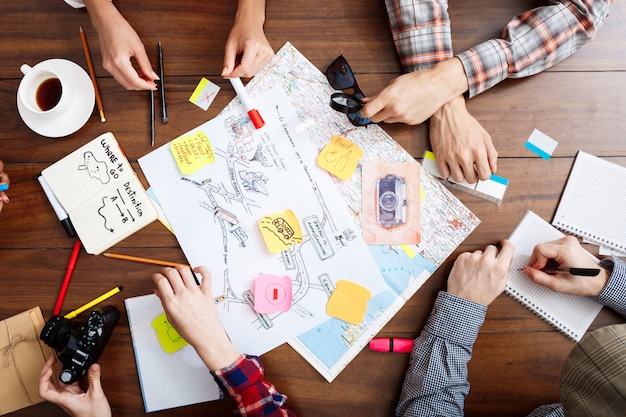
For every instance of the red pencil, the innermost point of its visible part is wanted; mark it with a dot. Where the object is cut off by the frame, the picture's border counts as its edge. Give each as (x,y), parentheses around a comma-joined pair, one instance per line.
(68,275)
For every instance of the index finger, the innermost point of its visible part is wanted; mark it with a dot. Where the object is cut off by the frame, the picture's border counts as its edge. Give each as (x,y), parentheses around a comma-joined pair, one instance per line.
(373,106)
(506,250)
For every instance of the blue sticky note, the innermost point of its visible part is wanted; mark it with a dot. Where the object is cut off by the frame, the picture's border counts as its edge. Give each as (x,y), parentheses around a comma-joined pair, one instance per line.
(4,187)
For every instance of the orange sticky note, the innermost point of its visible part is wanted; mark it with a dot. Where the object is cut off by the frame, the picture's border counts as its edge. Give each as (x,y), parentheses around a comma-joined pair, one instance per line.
(192,152)
(167,335)
(340,157)
(348,302)
(280,230)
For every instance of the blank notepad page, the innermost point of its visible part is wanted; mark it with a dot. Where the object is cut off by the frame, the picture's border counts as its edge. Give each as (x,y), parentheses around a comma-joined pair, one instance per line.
(593,205)
(570,314)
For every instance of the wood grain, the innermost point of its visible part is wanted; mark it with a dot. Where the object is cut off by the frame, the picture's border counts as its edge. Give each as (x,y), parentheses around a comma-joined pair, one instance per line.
(517,358)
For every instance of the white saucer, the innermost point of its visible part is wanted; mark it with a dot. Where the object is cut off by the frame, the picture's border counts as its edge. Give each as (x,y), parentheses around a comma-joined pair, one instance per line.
(78,113)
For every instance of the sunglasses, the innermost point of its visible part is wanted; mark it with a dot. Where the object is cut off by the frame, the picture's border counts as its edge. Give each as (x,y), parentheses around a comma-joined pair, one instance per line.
(341,77)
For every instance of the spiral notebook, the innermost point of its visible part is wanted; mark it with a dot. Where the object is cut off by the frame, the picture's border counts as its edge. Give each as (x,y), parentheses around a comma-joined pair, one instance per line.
(592,205)
(572,315)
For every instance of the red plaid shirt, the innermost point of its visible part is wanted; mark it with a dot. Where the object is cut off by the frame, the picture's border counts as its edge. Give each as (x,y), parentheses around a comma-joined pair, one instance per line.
(251,396)
(532,42)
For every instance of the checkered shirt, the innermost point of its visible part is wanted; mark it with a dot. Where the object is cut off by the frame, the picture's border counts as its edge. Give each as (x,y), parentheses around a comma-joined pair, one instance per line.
(436,380)
(251,396)
(530,43)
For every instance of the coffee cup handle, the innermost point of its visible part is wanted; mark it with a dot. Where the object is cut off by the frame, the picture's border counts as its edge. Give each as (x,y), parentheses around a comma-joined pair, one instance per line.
(25,68)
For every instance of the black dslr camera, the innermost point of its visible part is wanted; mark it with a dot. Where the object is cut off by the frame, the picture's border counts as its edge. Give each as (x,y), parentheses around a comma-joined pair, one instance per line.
(79,347)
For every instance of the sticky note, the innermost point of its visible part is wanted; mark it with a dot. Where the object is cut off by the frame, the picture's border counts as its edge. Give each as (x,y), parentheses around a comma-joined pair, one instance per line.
(280,230)
(348,302)
(168,337)
(272,293)
(204,94)
(340,157)
(192,152)
(408,249)
(541,144)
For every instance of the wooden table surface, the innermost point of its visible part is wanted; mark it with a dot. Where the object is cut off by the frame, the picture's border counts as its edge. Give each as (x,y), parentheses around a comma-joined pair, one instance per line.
(517,358)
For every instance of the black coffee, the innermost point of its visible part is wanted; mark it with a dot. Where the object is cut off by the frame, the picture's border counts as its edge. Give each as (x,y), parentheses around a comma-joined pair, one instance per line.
(49,93)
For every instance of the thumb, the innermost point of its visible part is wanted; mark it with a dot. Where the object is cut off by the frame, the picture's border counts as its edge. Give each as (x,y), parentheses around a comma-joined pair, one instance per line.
(93,377)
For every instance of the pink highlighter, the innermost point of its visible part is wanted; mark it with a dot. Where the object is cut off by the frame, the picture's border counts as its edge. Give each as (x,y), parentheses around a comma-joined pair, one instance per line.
(392,345)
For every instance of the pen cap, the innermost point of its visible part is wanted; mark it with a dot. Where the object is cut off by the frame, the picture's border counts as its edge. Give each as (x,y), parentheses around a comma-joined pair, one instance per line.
(256,118)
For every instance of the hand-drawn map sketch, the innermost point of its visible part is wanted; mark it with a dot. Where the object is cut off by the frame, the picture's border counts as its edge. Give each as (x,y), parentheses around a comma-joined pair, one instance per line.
(219,213)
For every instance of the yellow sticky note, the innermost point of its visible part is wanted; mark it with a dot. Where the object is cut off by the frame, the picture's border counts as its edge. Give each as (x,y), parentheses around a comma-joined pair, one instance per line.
(192,152)
(408,249)
(168,337)
(280,230)
(340,157)
(348,302)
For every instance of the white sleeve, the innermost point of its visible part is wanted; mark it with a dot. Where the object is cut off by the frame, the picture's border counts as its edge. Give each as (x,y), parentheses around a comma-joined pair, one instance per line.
(75,3)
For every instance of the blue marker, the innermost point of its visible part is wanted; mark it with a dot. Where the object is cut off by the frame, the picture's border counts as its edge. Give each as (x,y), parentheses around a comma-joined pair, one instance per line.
(4,187)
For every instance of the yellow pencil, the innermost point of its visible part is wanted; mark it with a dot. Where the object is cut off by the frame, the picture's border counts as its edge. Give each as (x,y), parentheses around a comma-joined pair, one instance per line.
(92,303)
(144,260)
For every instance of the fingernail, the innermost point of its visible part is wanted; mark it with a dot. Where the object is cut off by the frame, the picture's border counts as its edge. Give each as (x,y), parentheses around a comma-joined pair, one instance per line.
(155,76)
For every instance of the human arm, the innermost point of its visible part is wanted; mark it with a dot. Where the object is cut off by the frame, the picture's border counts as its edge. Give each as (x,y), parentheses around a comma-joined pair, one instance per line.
(4,179)
(71,398)
(433,85)
(191,310)
(436,379)
(533,41)
(247,49)
(120,45)
(607,287)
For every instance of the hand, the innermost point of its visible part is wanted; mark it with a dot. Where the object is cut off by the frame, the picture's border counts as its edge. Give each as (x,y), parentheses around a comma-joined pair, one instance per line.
(120,44)
(4,179)
(71,398)
(247,40)
(462,147)
(568,253)
(191,310)
(481,276)
(412,98)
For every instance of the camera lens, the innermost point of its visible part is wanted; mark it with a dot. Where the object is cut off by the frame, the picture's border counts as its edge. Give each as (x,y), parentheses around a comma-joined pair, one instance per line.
(56,332)
(388,201)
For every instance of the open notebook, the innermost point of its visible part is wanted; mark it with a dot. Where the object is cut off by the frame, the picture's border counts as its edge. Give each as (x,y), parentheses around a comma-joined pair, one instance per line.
(570,314)
(592,205)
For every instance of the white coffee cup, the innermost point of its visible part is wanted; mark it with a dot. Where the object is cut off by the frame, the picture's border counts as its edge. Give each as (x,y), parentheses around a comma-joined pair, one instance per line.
(44,91)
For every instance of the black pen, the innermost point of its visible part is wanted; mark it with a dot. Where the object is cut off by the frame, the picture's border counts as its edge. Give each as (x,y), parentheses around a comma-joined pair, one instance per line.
(162,85)
(583,272)
(152,118)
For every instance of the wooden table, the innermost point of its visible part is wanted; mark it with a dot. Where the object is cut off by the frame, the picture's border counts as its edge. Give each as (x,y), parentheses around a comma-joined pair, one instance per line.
(517,357)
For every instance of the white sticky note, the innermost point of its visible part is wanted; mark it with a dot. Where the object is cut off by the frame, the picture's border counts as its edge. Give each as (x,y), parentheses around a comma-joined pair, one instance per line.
(204,94)
(541,144)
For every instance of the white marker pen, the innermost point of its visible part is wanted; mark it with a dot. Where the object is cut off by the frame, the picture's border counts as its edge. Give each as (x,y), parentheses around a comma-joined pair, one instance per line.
(58,209)
(253,113)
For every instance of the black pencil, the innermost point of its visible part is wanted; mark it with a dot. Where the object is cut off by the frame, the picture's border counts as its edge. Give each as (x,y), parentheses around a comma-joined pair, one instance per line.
(164,115)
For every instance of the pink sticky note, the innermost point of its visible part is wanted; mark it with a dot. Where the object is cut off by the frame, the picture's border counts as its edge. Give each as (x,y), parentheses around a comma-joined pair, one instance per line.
(272,293)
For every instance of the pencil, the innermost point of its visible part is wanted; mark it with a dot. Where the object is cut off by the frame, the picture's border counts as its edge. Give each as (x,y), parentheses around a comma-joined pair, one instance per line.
(164,115)
(93,302)
(68,276)
(152,118)
(92,73)
(144,260)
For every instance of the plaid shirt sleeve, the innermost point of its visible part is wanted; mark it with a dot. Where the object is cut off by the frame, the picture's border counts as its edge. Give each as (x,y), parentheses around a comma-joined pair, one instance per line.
(421,32)
(612,295)
(532,42)
(251,396)
(436,379)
